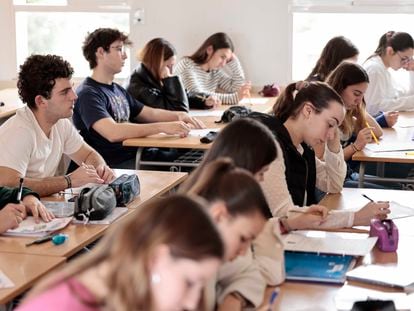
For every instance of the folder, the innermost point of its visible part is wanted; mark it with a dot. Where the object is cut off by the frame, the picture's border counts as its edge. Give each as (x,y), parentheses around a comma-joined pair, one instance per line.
(314,267)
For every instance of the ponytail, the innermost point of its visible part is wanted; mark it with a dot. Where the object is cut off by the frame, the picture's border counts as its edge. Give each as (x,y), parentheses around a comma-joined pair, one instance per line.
(399,41)
(292,99)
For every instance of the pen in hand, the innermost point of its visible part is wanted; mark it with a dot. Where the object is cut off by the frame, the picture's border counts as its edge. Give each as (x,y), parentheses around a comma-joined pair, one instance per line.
(367,197)
(20,192)
(372,133)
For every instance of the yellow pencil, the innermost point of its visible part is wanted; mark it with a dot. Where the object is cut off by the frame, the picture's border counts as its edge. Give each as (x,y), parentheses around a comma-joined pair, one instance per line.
(372,133)
(410,153)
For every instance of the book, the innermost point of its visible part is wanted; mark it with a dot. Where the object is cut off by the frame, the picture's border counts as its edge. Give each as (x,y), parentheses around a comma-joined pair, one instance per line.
(29,228)
(340,243)
(313,267)
(385,275)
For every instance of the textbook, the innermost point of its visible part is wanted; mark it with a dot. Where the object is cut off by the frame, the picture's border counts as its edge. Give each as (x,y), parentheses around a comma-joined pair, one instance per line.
(313,267)
(385,275)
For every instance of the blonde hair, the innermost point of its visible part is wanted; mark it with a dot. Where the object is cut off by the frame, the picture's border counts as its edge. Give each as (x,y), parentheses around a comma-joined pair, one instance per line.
(128,249)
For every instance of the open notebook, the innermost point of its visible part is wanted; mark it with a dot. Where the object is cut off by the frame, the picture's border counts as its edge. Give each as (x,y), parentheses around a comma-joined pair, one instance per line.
(30,228)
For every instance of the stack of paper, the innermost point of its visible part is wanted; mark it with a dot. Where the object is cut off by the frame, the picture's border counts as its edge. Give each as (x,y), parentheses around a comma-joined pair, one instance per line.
(29,227)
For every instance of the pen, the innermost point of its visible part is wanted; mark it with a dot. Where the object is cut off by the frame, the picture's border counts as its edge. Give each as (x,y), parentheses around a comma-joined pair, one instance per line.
(367,197)
(19,193)
(273,297)
(372,133)
(41,240)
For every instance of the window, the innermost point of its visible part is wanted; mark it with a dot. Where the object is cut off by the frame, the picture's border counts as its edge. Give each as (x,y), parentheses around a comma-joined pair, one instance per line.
(313,27)
(45,30)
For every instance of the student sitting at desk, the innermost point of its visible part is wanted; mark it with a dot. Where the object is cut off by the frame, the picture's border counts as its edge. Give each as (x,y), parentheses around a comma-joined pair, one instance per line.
(106,114)
(309,113)
(12,213)
(154,84)
(351,82)
(160,259)
(35,139)
(395,50)
(240,210)
(214,69)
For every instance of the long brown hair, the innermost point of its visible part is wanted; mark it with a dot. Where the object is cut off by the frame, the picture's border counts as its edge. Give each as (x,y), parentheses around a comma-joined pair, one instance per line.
(347,74)
(292,99)
(127,250)
(335,51)
(154,52)
(220,180)
(217,41)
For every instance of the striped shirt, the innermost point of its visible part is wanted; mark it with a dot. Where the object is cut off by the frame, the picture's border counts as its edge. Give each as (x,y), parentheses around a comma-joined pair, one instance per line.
(222,83)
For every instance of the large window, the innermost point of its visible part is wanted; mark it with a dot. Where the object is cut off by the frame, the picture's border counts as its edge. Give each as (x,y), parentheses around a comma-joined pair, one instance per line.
(61,30)
(313,28)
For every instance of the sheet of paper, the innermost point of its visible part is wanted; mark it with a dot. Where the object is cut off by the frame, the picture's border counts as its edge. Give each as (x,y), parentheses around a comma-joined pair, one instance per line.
(203,132)
(391,275)
(254,101)
(355,244)
(28,227)
(5,282)
(60,208)
(116,213)
(386,147)
(405,122)
(206,113)
(349,294)
(400,211)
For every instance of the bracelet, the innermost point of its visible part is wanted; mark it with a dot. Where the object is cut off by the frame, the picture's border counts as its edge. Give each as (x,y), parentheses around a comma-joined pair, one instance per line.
(68,181)
(355,147)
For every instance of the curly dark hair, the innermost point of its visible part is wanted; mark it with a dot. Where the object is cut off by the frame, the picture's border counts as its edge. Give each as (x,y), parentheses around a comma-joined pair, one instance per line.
(101,37)
(38,76)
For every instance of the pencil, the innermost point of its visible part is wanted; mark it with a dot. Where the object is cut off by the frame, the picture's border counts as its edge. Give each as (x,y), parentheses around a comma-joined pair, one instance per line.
(372,133)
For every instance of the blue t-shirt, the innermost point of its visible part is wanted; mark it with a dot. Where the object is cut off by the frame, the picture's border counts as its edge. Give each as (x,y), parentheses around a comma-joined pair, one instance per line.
(97,101)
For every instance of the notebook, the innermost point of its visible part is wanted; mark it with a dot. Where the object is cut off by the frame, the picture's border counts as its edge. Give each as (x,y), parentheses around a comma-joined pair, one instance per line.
(313,267)
(385,275)
(60,208)
(28,227)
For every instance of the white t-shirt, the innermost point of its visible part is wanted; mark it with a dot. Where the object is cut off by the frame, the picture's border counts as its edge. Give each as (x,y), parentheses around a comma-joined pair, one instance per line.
(26,149)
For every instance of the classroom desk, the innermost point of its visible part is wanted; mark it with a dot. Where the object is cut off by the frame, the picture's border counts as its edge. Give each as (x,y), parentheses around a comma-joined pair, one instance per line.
(153,184)
(391,135)
(24,270)
(314,296)
(189,142)
(11,101)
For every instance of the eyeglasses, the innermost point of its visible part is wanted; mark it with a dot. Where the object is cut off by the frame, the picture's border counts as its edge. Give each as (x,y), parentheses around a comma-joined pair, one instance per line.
(120,48)
(404,59)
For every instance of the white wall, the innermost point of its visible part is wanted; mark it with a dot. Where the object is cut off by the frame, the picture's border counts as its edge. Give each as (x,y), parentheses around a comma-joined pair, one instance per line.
(260,30)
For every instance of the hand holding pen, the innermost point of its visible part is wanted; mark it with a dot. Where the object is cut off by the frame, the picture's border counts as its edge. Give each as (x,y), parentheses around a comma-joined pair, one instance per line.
(371,210)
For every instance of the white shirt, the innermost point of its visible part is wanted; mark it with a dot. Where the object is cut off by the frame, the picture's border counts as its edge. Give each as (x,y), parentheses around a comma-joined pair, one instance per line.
(383,94)
(27,149)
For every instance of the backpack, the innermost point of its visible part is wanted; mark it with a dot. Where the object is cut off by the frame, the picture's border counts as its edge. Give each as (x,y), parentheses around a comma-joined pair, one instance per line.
(233,113)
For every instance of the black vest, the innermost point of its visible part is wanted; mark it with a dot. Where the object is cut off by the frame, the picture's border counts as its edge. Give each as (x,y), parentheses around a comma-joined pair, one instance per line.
(300,169)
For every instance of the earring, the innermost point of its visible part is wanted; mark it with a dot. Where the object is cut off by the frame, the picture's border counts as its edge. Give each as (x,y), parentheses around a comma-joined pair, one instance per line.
(155,278)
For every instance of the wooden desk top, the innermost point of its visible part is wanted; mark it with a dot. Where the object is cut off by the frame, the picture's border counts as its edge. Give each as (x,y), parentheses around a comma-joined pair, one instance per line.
(24,270)
(191,142)
(153,184)
(314,296)
(391,135)
(11,101)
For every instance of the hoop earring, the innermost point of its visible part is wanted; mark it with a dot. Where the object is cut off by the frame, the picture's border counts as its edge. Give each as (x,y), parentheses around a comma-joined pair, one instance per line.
(155,278)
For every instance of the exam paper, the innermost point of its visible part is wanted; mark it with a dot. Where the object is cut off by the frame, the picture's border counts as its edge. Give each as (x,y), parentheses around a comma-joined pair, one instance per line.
(203,132)
(342,243)
(389,146)
(254,101)
(28,227)
(5,282)
(205,113)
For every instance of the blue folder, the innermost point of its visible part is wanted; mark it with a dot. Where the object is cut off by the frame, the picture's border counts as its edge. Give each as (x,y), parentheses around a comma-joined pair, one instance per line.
(314,267)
